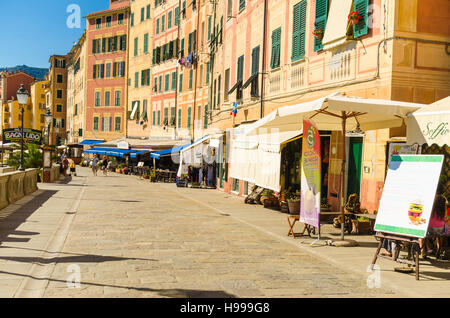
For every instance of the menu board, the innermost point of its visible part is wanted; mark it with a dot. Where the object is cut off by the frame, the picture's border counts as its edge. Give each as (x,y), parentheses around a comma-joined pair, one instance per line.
(408,194)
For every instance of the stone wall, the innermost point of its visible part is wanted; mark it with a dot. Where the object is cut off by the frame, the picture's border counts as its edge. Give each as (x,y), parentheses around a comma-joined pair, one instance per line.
(15,185)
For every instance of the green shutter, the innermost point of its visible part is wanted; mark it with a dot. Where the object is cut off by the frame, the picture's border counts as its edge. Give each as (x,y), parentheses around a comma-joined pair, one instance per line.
(179,118)
(169,20)
(190,78)
(299,31)
(209,28)
(360,29)
(146,43)
(189,118)
(321,21)
(276,48)
(255,60)
(181,83)
(205,124)
(174,81)
(177,14)
(157,26)
(136,43)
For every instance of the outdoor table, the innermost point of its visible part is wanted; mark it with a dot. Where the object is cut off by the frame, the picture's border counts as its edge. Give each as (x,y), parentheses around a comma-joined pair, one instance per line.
(372,218)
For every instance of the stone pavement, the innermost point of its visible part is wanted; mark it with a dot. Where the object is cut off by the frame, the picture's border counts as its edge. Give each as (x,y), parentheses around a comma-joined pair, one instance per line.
(124,237)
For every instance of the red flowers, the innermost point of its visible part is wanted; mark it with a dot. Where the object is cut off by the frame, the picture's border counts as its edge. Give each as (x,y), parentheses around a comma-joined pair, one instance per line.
(354,17)
(318,33)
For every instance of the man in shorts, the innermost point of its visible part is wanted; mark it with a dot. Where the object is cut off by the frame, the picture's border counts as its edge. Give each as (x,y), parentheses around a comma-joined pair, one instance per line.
(94,163)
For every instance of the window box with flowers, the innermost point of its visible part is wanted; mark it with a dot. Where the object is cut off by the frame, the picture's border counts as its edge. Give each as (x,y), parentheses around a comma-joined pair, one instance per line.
(354,18)
(318,33)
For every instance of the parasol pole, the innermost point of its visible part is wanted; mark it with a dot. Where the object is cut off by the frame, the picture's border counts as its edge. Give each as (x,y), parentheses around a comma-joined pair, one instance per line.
(344,119)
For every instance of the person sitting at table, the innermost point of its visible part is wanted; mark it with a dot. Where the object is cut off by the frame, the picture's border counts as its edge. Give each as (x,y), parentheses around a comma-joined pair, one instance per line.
(436,224)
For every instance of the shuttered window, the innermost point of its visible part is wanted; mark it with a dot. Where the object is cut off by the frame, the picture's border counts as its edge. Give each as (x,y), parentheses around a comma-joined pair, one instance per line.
(179,118)
(145,43)
(320,21)
(299,31)
(189,118)
(177,14)
(276,48)
(360,29)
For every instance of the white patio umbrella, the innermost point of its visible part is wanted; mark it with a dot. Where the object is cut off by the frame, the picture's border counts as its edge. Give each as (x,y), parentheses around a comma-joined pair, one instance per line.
(337,112)
(430,124)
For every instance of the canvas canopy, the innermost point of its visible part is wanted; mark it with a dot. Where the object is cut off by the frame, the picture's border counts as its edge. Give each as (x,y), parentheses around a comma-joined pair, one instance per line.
(336,30)
(256,158)
(430,124)
(328,114)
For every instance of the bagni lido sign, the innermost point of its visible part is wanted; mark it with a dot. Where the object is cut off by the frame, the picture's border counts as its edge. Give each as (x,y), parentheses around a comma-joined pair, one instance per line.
(30,136)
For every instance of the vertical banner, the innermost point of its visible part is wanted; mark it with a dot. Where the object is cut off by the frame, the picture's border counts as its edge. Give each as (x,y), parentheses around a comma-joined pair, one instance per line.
(310,175)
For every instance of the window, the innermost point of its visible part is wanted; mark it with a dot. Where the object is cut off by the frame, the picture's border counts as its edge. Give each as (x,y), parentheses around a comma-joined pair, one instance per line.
(205,123)
(142,14)
(240,77)
(117,99)
(108,70)
(108,21)
(207,73)
(160,83)
(299,31)
(59,108)
(108,98)
(360,29)
(174,81)
(320,21)
(235,185)
(230,9)
(97,99)
(98,23)
(163,23)
(172,116)
(120,18)
(132,19)
(241,4)
(189,118)
(155,85)
(159,117)
(96,123)
(255,72)
(106,123)
(144,110)
(181,83)
(59,93)
(276,48)
(136,46)
(169,20)
(145,43)
(179,117)
(182,48)
(154,118)
(118,124)
(177,15)
(76,110)
(148,12)
(226,84)
(157,26)
(201,75)
(166,86)
(59,78)
(190,78)
(209,28)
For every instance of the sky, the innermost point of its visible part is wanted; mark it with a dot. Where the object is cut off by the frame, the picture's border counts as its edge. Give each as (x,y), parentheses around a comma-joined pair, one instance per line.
(32,31)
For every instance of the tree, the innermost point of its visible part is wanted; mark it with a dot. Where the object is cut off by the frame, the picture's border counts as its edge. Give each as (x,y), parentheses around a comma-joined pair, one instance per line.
(32,158)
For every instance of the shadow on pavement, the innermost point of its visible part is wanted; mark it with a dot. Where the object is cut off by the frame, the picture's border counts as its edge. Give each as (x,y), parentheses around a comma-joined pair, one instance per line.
(173,293)
(10,223)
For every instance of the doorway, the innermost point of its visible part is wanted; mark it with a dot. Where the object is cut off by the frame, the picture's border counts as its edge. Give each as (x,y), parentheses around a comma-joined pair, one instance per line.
(354,165)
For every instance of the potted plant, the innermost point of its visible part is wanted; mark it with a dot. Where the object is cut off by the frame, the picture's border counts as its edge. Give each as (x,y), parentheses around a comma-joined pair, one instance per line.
(293,199)
(265,195)
(318,33)
(354,17)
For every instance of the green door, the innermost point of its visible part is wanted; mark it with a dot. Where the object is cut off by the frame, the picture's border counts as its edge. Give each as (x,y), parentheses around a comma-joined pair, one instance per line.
(354,166)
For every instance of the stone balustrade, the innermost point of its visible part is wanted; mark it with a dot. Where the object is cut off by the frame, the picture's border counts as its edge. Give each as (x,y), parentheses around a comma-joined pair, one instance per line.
(15,185)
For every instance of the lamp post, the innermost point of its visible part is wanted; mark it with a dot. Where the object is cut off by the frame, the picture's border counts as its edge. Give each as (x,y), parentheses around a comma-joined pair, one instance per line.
(48,120)
(22,98)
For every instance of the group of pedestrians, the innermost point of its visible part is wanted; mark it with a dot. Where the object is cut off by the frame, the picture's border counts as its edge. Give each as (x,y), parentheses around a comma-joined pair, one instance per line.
(103,164)
(67,164)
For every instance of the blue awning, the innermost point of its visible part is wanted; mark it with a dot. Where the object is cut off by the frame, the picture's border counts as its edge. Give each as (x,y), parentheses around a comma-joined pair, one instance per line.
(142,152)
(167,152)
(115,152)
(90,142)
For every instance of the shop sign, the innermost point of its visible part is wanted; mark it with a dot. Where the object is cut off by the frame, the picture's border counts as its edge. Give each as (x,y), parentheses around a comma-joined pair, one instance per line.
(397,148)
(310,175)
(433,131)
(408,194)
(30,136)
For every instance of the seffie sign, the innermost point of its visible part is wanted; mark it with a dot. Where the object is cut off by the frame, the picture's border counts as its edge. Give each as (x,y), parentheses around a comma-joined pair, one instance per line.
(30,136)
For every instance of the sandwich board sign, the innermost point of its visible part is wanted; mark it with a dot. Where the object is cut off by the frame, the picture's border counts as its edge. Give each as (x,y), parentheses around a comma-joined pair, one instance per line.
(408,194)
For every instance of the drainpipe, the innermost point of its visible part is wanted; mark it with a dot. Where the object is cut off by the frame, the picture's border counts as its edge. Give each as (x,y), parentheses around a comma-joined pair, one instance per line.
(177,68)
(263,59)
(196,67)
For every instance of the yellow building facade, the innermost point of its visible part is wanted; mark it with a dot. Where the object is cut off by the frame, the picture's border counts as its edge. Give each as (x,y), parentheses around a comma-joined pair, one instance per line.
(38,103)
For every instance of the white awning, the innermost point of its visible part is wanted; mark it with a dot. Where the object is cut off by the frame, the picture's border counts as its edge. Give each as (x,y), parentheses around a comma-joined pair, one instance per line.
(326,112)
(336,27)
(134,110)
(257,158)
(430,124)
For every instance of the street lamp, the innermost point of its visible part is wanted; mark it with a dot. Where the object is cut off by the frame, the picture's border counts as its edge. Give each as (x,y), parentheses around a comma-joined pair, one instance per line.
(48,120)
(22,98)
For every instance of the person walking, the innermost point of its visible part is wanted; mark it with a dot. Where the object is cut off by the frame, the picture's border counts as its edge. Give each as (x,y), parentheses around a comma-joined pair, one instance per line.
(73,168)
(105,166)
(65,164)
(94,164)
